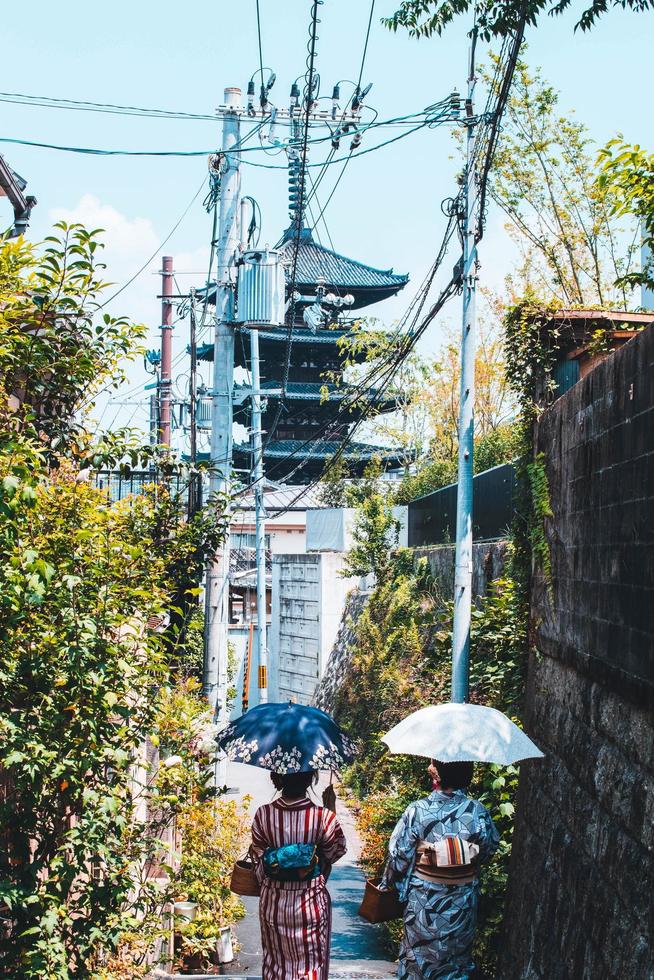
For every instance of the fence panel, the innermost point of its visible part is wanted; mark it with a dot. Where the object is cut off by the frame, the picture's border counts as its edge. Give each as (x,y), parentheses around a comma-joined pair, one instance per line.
(432,518)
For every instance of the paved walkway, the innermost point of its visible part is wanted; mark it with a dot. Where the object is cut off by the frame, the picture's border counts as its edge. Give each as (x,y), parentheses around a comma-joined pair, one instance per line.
(357,950)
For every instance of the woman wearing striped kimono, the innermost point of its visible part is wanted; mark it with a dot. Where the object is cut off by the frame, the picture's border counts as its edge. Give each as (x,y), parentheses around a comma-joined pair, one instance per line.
(433,860)
(296,916)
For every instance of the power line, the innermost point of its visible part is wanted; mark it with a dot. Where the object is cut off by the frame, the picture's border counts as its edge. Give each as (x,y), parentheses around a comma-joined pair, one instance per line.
(48,102)
(260,48)
(500,105)
(357,90)
(302,176)
(365,46)
(97,151)
(333,190)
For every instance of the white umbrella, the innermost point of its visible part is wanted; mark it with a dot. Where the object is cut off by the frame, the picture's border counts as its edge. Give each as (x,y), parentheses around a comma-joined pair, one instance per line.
(461,733)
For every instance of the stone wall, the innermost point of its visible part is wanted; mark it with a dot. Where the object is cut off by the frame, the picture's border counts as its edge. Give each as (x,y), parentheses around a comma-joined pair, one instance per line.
(488,561)
(339,658)
(582,876)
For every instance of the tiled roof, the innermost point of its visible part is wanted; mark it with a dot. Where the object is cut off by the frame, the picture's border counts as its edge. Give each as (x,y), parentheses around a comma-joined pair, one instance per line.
(308,391)
(367,284)
(321,450)
(280,334)
(314,260)
(303,336)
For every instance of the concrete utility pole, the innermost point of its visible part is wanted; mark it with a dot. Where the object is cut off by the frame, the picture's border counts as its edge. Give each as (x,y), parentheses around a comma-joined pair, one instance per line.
(154,421)
(166,349)
(217,583)
(463,555)
(260,517)
(194,483)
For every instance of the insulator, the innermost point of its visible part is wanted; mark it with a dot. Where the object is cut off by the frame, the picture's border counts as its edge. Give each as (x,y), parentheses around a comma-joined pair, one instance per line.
(359,96)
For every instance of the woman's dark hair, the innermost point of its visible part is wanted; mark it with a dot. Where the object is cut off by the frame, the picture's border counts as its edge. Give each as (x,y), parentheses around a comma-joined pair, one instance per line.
(455,775)
(294,784)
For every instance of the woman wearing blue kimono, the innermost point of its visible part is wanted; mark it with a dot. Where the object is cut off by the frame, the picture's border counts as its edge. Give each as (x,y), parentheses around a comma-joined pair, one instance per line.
(433,860)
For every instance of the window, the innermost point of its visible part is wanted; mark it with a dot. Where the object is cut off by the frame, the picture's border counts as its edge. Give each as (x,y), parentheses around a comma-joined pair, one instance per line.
(243,539)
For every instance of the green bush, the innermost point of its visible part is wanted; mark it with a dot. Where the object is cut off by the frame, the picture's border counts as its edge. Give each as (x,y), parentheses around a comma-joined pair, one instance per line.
(401,661)
(81,671)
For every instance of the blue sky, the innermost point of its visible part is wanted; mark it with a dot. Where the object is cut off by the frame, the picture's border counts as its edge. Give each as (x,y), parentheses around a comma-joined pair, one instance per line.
(386,210)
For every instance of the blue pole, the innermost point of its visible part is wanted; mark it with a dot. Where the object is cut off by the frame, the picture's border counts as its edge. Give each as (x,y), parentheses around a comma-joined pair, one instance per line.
(463,554)
(260,518)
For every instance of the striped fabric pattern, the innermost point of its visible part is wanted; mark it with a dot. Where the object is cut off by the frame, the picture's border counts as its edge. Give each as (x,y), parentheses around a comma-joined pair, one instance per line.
(296,917)
(449,852)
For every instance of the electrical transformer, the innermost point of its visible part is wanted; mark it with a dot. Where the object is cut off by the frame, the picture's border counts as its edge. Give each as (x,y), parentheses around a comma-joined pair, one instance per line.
(261,289)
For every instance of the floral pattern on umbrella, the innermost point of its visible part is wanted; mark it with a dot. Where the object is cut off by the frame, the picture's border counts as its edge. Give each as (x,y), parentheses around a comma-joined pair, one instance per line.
(280,760)
(286,738)
(238,750)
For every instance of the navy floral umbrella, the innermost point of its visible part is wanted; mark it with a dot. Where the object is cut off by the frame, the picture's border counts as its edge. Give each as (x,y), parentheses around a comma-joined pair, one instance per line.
(287,738)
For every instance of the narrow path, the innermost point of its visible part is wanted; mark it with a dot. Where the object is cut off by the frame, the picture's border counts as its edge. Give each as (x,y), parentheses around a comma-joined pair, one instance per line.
(357,950)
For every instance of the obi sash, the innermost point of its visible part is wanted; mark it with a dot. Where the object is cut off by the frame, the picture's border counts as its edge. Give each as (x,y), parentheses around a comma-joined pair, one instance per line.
(292,862)
(447,861)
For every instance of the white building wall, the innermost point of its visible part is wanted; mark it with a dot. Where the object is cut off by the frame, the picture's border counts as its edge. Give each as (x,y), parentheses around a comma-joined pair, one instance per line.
(308,602)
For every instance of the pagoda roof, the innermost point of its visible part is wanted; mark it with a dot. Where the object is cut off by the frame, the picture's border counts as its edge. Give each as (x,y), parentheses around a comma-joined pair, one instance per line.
(342,275)
(312,391)
(322,449)
(302,461)
(315,260)
(301,335)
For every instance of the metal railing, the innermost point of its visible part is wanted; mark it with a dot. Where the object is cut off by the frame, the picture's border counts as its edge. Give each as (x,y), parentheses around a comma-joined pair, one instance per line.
(119,485)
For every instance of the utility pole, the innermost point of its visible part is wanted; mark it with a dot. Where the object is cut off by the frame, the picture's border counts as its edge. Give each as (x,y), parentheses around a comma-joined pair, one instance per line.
(166,349)
(260,517)
(194,484)
(154,419)
(463,554)
(217,583)
(259,505)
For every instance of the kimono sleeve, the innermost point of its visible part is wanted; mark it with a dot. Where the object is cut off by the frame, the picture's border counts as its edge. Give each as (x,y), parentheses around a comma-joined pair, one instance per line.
(402,849)
(487,836)
(332,842)
(260,844)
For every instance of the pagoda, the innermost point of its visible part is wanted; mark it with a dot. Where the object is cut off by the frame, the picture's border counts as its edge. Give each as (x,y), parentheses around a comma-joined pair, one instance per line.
(309,429)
